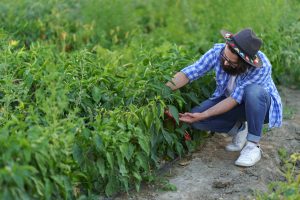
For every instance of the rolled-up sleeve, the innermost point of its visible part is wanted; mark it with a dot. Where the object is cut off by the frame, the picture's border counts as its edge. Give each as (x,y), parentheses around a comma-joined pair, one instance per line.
(202,66)
(257,76)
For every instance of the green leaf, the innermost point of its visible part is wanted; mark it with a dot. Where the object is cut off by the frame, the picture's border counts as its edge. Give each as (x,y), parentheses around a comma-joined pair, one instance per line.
(142,161)
(160,110)
(48,189)
(27,154)
(127,150)
(101,166)
(180,131)
(179,148)
(77,154)
(144,144)
(205,92)
(166,91)
(96,93)
(38,185)
(146,61)
(167,137)
(111,186)
(289,192)
(148,119)
(121,164)
(174,112)
(40,159)
(99,143)
(110,160)
(124,180)
(139,179)
(192,96)
(58,180)
(18,179)
(28,79)
(137,186)
(122,169)
(170,153)
(154,156)
(137,176)
(86,133)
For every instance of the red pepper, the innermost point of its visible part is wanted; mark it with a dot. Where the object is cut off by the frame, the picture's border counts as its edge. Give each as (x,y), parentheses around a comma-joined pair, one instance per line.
(187,136)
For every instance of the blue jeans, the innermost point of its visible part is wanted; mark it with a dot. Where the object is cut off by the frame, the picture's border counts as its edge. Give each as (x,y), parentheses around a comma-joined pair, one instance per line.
(254,109)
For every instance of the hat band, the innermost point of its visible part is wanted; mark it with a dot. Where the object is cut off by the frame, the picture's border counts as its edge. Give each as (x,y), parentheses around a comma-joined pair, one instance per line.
(252,60)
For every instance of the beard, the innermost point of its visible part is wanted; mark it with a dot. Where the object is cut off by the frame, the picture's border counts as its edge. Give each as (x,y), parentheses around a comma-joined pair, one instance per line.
(233,71)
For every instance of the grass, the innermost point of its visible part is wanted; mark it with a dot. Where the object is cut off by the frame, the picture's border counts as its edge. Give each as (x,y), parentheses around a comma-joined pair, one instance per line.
(288,112)
(290,187)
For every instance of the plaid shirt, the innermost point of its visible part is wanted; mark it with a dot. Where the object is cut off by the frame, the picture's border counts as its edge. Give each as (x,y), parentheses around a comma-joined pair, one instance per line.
(261,76)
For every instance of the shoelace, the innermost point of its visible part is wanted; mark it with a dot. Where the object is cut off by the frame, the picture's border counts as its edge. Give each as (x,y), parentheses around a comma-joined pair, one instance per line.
(247,149)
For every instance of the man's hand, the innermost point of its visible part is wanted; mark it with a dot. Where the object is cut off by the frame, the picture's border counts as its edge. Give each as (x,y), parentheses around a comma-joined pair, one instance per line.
(191,117)
(220,108)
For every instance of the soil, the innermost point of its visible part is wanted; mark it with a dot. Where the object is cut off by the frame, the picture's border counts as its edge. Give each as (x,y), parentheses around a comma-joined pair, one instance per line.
(210,173)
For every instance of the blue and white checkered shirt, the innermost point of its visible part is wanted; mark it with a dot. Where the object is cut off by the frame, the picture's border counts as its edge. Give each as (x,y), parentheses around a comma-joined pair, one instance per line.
(259,75)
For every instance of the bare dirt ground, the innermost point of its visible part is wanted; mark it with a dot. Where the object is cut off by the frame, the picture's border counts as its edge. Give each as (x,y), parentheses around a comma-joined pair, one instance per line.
(210,173)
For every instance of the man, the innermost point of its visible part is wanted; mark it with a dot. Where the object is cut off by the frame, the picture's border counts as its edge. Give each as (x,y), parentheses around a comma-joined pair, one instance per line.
(245,97)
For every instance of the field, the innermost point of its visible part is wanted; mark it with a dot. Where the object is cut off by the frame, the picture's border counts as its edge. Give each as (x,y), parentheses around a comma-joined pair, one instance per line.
(82,93)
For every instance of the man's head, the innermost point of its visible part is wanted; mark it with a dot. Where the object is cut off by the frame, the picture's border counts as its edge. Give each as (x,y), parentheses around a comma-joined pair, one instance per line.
(241,51)
(231,62)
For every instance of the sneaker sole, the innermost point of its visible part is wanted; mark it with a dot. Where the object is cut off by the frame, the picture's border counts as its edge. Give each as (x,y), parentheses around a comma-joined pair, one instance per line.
(246,164)
(232,150)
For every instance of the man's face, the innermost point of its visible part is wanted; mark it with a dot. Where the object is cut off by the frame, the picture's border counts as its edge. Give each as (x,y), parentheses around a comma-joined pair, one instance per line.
(229,62)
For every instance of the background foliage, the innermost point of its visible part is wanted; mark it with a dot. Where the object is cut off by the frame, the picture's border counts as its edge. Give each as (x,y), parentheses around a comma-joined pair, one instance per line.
(82,93)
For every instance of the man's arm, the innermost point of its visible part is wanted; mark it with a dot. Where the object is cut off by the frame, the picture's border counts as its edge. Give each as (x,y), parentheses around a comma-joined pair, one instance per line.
(178,81)
(220,108)
(197,69)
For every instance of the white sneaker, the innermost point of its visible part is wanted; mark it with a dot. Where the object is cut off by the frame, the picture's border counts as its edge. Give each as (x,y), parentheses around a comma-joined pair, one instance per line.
(238,140)
(249,156)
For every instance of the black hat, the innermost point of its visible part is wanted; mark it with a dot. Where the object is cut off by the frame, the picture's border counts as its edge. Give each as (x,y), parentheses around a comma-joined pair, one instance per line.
(246,44)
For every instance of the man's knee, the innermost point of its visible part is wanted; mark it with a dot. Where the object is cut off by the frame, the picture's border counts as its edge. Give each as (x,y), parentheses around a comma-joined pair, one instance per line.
(254,91)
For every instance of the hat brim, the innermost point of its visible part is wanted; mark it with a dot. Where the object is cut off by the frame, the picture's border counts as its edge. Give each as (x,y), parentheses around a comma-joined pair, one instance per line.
(256,61)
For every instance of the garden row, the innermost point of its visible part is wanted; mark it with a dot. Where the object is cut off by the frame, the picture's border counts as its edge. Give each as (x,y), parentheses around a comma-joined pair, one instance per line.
(82,96)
